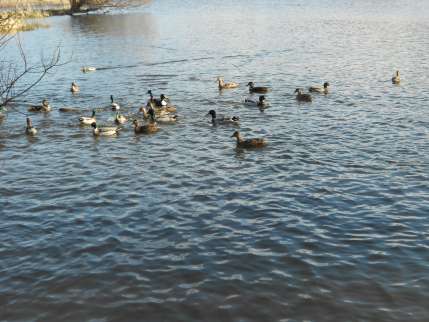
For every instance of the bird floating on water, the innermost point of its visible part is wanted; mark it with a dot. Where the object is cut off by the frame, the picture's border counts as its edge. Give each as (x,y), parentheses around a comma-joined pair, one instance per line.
(149,128)
(30,130)
(45,107)
(223,85)
(88,120)
(396,79)
(115,106)
(320,89)
(248,143)
(74,87)
(104,131)
(87,69)
(223,120)
(303,97)
(261,102)
(257,89)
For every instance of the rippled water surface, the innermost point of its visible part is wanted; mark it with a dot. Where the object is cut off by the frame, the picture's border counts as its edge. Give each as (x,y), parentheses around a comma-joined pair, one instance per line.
(329,222)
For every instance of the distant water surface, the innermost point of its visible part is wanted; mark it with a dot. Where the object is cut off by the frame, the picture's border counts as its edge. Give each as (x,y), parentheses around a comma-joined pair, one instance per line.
(328,223)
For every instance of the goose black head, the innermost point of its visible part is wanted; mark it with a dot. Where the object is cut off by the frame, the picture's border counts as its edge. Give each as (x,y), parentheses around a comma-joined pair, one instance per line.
(236,134)
(93,113)
(250,84)
(261,98)
(297,91)
(94,125)
(29,122)
(111,98)
(325,85)
(212,113)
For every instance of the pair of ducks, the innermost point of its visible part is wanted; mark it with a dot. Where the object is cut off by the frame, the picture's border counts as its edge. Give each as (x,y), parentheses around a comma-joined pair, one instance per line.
(252,88)
(305,97)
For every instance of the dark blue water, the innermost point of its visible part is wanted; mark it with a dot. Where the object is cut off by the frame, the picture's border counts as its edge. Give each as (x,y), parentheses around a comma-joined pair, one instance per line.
(329,222)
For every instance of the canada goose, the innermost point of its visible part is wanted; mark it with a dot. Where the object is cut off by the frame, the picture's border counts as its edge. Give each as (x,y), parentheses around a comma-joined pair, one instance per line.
(104,131)
(120,119)
(224,120)
(74,88)
(88,120)
(30,130)
(45,107)
(258,89)
(149,128)
(300,96)
(223,85)
(115,106)
(320,89)
(249,143)
(396,79)
(166,118)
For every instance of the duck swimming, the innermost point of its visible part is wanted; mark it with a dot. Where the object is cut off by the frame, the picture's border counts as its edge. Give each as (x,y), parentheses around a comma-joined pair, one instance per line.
(396,79)
(115,106)
(223,85)
(224,120)
(120,119)
(300,96)
(88,120)
(257,89)
(261,102)
(45,107)
(149,128)
(74,88)
(320,89)
(104,131)
(30,130)
(249,143)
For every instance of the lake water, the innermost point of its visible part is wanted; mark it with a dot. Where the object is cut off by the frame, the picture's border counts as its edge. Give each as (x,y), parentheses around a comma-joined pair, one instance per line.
(329,222)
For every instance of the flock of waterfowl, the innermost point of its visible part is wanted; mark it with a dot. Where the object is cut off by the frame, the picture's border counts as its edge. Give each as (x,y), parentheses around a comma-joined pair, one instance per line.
(158,111)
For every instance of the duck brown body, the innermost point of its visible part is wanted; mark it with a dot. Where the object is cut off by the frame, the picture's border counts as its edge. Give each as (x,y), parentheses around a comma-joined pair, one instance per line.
(249,143)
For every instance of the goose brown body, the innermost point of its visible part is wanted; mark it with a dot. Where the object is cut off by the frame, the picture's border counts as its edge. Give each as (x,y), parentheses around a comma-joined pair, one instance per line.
(257,89)
(249,143)
(30,130)
(148,128)
(223,85)
(396,79)
(45,107)
(303,97)
(320,89)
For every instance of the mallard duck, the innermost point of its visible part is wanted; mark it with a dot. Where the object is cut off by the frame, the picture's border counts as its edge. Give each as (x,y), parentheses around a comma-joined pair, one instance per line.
(258,89)
(261,102)
(223,85)
(30,130)
(396,79)
(300,96)
(224,120)
(320,89)
(120,119)
(115,106)
(148,128)
(249,143)
(87,69)
(88,120)
(45,107)
(104,131)
(74,88)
